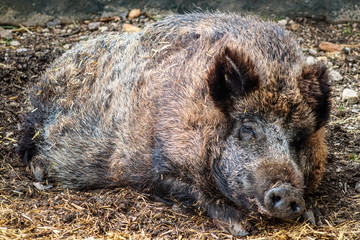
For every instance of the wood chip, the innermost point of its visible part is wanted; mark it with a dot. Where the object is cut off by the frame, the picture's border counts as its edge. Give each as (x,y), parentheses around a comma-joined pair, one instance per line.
(130,28)
(330,47)
(135,13)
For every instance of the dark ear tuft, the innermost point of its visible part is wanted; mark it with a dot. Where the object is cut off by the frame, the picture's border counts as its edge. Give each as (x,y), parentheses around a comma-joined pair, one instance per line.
(233,75)
(315,88)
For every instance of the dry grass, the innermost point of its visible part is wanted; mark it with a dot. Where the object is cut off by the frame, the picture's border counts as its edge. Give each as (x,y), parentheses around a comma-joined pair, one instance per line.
(28,211)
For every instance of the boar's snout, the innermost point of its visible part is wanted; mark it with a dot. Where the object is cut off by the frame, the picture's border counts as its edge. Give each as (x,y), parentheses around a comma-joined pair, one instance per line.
(284,202)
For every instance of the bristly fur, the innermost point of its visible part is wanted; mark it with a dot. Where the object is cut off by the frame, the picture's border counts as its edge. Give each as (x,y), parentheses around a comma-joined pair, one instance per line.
(210,110)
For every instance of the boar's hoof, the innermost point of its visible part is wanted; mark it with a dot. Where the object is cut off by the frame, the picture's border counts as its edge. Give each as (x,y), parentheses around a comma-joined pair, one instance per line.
(310,216)
(313,215)
(284,202)
(37,168)
(237,229)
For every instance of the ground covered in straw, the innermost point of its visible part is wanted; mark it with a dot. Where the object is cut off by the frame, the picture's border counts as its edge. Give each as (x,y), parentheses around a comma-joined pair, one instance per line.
(31,210)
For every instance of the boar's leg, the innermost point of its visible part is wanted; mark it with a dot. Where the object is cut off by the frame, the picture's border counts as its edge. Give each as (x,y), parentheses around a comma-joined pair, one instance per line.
(38,168)
(229,218)
(223,212)
(313,214)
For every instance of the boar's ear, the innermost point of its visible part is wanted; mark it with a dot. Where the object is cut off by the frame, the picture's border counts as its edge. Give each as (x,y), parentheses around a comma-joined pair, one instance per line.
(232,75)
(315,88)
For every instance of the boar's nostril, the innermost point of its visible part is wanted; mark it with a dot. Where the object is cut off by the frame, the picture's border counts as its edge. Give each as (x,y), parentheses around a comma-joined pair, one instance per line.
(275,200)
(295,207)
(284,202)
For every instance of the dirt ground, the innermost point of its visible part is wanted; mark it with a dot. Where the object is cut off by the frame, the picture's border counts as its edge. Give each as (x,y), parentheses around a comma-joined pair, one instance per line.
(31,210)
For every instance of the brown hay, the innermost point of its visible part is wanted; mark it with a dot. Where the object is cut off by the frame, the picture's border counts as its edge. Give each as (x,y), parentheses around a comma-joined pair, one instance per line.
(54,213)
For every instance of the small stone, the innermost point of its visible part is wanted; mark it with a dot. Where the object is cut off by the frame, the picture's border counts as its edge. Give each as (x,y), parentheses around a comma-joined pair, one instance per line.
(83,38)
(5,34)
(94,26)
(15,43)
(124,14)
(67,46)
(335,76)
(357,187)
(103,29)
(310,60)
(135,13)
(73,26)
(350,96)
(114,26)
(312,51)
(282,22)
(55,42)
(20,50)
(45,30)
(330,47)
(346,50)
(352,58)
(53,23)
(300,40)
(158,17)
(322,59)
(294,26)
(57,30)
(130,28)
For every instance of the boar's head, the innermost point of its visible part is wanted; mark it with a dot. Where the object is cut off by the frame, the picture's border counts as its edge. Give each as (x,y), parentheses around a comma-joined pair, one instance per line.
(273,151)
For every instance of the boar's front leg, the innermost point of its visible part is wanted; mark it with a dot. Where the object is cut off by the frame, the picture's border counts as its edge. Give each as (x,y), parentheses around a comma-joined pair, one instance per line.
(228,218)
(173,183)
(223,212)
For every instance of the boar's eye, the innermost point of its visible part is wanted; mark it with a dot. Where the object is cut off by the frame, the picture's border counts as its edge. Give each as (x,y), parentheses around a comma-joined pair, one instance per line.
(246,133)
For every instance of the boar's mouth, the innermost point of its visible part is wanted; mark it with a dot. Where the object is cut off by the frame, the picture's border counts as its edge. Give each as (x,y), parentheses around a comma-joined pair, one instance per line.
(279,188)
(284,201)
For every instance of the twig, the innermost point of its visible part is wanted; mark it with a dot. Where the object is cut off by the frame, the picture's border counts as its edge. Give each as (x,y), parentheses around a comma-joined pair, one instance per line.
(26,29)
(69,34)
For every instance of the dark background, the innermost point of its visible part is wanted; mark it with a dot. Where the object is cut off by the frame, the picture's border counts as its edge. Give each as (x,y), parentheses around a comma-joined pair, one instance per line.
(38,12)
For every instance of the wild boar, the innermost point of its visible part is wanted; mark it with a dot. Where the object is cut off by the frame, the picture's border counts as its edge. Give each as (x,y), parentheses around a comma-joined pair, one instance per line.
(216,111)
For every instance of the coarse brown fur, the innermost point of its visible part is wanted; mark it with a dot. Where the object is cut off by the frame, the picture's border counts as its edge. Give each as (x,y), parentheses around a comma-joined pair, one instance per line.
(212,110)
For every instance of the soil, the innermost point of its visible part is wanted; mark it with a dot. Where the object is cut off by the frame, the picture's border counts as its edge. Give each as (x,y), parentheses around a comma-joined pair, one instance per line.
(39,210)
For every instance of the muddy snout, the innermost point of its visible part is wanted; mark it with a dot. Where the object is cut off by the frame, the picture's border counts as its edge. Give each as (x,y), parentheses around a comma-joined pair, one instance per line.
(284,202)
